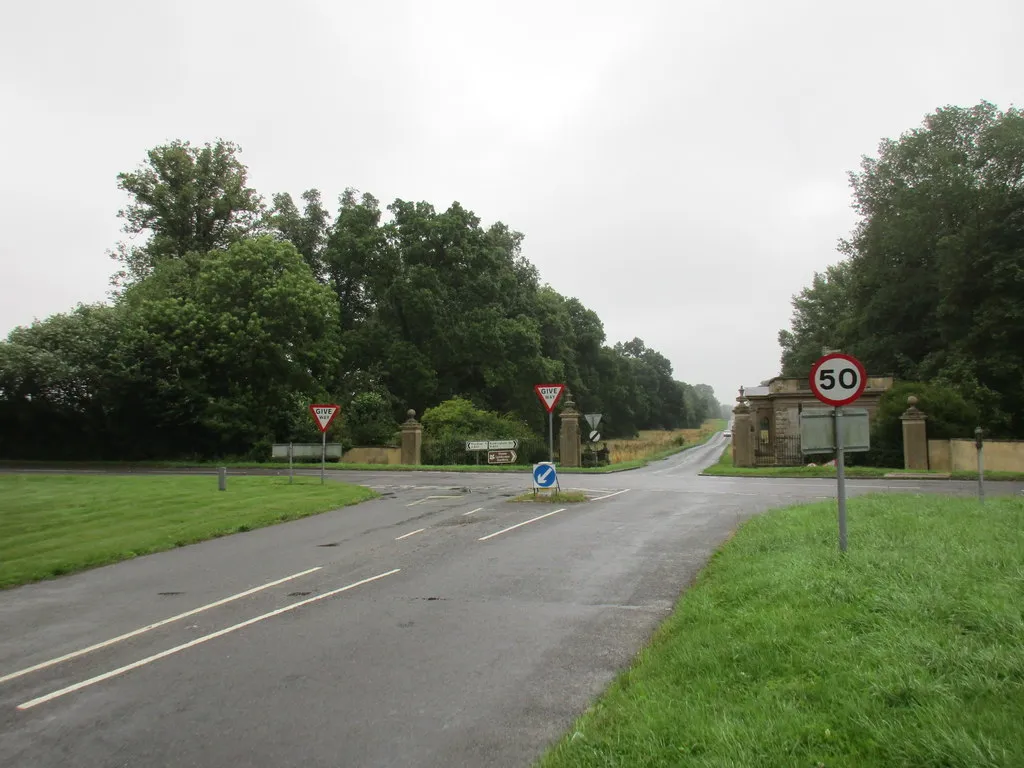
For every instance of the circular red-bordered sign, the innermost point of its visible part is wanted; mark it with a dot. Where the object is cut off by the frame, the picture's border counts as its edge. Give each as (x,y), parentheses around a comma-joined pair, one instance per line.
(838,379)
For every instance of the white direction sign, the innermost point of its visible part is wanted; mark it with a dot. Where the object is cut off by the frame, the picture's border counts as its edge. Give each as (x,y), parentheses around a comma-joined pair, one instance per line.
(323,414)
(502,445)
(549,394)
(593,419)
(491,445)
(838,379)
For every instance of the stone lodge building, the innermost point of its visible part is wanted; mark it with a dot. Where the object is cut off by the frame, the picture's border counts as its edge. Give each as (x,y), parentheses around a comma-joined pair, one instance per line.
(774,417)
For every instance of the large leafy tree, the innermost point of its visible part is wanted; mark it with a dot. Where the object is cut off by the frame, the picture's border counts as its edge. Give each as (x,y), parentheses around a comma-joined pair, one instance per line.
(933,280)
(219,336)
(227,354)
(185,199)
(820,314)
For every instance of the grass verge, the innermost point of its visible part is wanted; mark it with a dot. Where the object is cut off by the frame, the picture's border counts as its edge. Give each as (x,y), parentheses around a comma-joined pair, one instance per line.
(905,652)
(58,524)
(655,450)
(724,467)
(559,497)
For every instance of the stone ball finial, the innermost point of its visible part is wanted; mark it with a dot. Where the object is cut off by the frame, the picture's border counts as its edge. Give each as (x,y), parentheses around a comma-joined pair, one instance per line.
(411,413)
(912,401)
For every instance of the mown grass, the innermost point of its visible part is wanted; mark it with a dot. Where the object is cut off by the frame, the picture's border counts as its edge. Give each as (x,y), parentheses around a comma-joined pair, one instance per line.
(724,466)
(559,497)
(52,525)
(905,652)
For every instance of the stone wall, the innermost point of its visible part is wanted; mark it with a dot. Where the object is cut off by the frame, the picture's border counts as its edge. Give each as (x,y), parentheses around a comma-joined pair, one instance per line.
(962,455)
(372,455)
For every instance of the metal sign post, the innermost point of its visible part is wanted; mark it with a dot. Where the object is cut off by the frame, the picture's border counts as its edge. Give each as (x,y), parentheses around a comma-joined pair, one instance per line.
(549,395)
(291,466)
(838,380)
(551,436)
(840,477)
(324,415)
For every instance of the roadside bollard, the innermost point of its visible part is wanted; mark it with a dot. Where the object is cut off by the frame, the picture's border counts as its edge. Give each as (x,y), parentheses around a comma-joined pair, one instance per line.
(979,443)
(222,479)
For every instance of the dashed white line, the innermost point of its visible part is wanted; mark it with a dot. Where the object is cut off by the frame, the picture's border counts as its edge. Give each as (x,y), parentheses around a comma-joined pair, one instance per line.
(198,641)
(478,509)
(428,498)
(520,525)
(155,625)
(410,533)
(608,496)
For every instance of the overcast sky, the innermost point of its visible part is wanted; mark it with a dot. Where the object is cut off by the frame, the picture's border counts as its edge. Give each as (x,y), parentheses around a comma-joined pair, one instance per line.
(678,166)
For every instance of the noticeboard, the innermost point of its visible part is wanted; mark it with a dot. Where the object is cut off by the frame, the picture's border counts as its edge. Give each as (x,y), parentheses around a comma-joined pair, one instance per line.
(817,430)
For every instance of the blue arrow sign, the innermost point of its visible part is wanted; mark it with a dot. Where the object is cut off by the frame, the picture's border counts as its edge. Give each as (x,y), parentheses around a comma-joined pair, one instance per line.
(544,475)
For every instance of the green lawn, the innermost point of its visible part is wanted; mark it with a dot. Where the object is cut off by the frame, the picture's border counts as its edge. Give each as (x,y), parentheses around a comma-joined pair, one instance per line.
(906,652)
(56,524)
(724,467)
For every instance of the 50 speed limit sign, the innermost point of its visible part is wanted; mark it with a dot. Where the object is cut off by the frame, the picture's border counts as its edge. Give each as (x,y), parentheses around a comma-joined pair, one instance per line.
(838,379)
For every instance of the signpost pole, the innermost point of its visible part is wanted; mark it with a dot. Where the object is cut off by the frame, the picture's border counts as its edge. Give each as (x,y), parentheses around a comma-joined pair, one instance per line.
(840,478)
(323,455)
(551,436)
(291,467)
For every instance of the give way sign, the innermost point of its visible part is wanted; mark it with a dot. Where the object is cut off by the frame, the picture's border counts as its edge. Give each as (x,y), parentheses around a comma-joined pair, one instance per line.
(549,394)
(323,414)
(838,379)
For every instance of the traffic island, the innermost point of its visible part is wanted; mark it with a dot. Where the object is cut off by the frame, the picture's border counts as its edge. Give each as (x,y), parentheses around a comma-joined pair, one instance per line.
(559,497)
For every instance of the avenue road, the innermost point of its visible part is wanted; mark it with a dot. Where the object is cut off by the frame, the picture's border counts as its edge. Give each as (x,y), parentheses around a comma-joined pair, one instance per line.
(439,625)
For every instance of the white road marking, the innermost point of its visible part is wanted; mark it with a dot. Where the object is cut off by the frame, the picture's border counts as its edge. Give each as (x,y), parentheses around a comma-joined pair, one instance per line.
(428,498)
(198,641)
(148,627)
(599,498)
(520,525)
(410,533)
(478,509)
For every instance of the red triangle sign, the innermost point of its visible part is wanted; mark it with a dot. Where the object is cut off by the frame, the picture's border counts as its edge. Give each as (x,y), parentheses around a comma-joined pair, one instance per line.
(549,394)
(323,415)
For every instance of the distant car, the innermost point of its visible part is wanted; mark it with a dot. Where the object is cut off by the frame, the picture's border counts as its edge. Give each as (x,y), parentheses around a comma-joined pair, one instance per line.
(727,433)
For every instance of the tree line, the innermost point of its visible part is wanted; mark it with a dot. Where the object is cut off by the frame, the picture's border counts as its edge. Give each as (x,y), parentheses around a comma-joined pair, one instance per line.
(229,315)
(931,284)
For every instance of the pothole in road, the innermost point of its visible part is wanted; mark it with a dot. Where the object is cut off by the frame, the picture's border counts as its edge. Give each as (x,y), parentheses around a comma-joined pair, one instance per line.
(299,594)
(331,544)
(169,594)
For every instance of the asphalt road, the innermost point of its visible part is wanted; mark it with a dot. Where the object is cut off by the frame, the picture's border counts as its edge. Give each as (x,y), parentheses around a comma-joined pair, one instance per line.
(436,626)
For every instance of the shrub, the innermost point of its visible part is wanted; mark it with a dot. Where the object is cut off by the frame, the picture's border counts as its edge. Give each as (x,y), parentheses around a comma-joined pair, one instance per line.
(949,415)
(368,420)
(448,426)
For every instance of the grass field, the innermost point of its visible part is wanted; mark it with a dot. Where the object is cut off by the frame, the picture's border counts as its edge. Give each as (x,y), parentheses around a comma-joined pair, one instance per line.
(724,466)
(655,444)
(905,652)
(51,525)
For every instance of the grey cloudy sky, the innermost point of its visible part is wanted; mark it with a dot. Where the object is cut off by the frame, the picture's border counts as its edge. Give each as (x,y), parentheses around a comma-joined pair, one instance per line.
(680,167)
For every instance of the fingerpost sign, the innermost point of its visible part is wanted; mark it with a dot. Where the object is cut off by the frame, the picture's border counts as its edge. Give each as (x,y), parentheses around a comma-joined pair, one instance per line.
(838,379)
(323,415)
(549,395)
